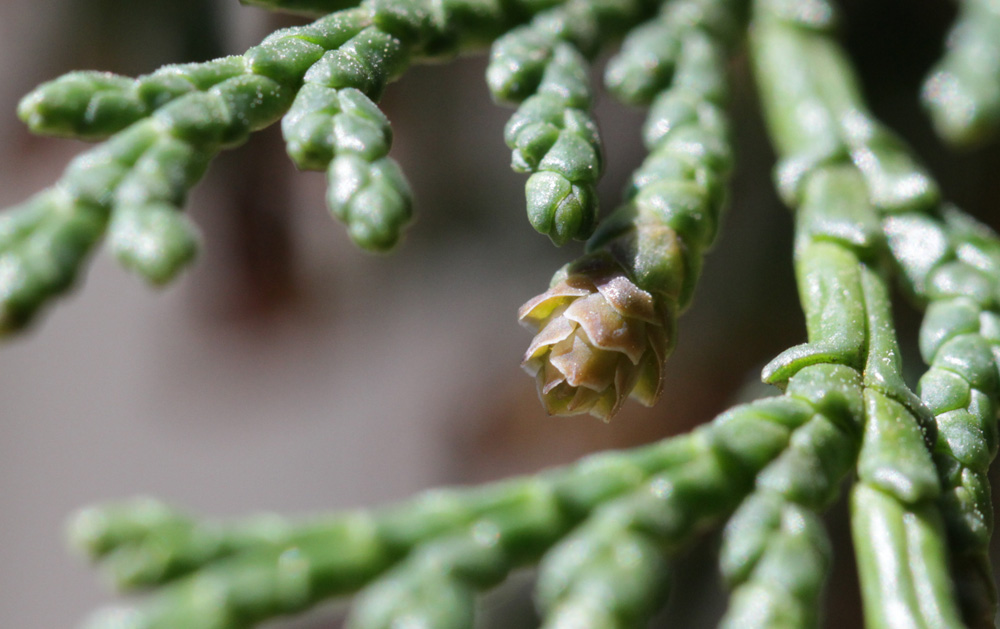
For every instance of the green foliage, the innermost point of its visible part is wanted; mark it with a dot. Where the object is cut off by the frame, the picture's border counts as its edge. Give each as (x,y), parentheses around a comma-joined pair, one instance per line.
(604,531)
(963,94)
(553,137)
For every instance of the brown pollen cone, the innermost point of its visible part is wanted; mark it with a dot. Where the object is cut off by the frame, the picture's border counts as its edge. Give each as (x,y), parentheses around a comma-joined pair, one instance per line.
(600,338)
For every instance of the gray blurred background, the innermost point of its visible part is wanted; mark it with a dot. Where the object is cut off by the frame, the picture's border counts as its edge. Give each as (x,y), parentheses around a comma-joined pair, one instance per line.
(288,371)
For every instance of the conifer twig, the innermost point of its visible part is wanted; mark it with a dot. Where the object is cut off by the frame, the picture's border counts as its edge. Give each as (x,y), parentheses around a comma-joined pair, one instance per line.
(902,573)
(543,67)
(925,242)
(603,531)
(164,128)
(962,92)
(659,497)
(955,272)
(645,258)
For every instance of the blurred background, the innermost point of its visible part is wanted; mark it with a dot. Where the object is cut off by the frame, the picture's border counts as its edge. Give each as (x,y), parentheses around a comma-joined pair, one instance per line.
(288,371)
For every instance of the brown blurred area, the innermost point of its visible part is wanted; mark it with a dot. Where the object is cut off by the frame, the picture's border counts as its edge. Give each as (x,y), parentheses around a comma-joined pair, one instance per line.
(289,371)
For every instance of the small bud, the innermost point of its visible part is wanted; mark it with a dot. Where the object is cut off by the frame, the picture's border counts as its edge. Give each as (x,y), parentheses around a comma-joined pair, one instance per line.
(600,339)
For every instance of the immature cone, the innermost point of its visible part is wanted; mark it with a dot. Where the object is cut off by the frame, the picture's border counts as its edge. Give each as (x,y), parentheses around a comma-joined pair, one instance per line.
(600,338)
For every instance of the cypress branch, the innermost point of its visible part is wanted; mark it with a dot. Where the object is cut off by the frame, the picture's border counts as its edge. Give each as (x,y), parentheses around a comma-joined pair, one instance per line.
(962,92)
(901,554)
(958,389)
(164,128)
(553,136)
(659,497)
(604,531)
(649,250)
